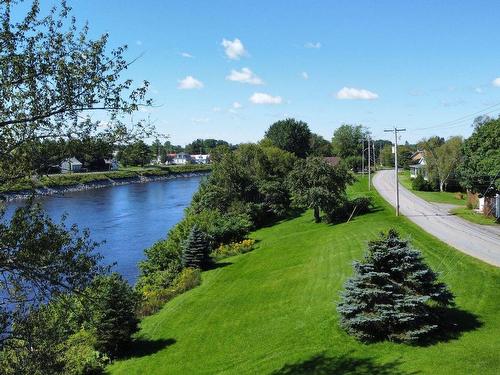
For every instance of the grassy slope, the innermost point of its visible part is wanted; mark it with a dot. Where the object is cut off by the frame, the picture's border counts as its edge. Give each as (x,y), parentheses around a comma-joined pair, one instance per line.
(276,306)
(431,196)
(473,216)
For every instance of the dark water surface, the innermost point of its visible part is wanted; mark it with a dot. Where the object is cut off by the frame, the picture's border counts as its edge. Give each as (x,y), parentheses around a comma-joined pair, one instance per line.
(129,218)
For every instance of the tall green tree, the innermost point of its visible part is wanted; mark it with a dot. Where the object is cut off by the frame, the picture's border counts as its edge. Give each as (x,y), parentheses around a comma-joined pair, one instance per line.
(346,140)
(135,154)
(316,184)
(52,77)
(391,294)
(290,135)
(480,169)
(319,146)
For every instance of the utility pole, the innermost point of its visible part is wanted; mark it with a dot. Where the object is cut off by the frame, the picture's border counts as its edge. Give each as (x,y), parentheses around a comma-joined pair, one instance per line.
(363,156)
(396,131)
(369,165)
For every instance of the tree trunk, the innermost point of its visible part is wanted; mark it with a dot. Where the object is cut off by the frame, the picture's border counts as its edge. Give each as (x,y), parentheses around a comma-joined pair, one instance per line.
(317,218)
(441,185)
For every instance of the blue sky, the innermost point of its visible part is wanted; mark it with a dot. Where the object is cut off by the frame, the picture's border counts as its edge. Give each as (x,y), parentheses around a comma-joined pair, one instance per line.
(414,64)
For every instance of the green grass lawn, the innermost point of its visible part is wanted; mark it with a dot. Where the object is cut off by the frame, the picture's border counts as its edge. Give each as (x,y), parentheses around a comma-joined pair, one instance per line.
(273,310)
(473,216)
(431,196)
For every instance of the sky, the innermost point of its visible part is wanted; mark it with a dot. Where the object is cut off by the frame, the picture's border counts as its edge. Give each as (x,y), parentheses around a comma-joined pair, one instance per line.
(229,69)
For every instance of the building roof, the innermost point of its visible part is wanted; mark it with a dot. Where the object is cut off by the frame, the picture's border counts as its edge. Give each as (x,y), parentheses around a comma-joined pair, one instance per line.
(332,160)
(72,160)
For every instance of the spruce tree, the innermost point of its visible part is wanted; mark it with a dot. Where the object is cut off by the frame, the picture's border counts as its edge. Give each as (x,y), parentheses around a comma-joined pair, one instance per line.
(392,294)
(196,249)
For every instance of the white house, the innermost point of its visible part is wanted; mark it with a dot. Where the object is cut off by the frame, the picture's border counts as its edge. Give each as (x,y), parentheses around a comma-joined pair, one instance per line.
(71,165)
(182,158)
(111,164)
(201,158)
(419,168)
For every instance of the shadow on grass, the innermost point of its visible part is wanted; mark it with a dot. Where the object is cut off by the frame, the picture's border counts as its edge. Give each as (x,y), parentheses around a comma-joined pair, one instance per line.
(142,347)
(343,365)
(219,264)
(291,214)
(453,323)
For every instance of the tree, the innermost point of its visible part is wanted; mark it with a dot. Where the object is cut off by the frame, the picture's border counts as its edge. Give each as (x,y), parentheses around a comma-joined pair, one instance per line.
(442,158)
(137,153)
(480,169)
(39,260)
(392,293)
(53,76)
(204,146)
(316,184)
(196,252)
(290,135)
(347,144)
(113,310)
(318,146)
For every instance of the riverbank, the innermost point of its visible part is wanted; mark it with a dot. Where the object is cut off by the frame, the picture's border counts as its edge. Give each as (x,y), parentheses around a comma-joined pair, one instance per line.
(66,183)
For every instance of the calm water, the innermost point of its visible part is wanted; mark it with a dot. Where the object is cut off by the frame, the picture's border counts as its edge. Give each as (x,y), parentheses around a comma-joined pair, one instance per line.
(129,218)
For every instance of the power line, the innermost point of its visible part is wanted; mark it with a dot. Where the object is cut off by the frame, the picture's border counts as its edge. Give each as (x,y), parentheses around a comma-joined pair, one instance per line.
(460,119)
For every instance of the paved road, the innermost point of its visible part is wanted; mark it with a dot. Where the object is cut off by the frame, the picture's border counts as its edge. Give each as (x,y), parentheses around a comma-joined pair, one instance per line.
(479,241)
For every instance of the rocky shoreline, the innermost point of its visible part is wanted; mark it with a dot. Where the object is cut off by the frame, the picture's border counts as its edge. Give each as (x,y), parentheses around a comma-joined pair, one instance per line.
(60,190)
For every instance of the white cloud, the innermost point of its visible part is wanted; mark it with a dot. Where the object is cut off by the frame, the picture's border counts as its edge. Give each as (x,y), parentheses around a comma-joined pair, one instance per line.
(479,90)
(316,45)
(305,75)
(237,105)
(245,76)
(187,55)
(201,120)
(262,98)
(216,109)
(234,49)
(189,83)
(352,93)
(496,82)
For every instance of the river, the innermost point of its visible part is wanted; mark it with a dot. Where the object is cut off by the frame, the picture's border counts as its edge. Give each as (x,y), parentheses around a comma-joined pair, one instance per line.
(129,218)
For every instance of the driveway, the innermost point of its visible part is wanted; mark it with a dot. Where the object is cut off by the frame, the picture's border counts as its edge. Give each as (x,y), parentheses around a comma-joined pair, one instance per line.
(479,241)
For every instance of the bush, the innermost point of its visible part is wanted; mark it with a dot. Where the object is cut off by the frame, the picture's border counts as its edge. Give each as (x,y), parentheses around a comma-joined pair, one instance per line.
(154,299)
(80,356)
(356,206)
(234,248)
(419,184)
(391,294)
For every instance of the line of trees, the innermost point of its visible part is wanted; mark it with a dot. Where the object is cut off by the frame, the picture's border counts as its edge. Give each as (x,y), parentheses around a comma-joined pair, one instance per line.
(248,187)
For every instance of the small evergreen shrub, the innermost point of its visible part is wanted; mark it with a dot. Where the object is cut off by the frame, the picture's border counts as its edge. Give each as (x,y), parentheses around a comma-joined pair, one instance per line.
(419,184)
(114,318)
(392,293)
(234,248)
(196,250)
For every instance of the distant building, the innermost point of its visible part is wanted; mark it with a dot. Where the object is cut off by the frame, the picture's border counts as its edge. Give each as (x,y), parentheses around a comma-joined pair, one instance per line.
(332,160)
(201,158)
(182,158)
(71,165)
(111,164)
(419,166)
